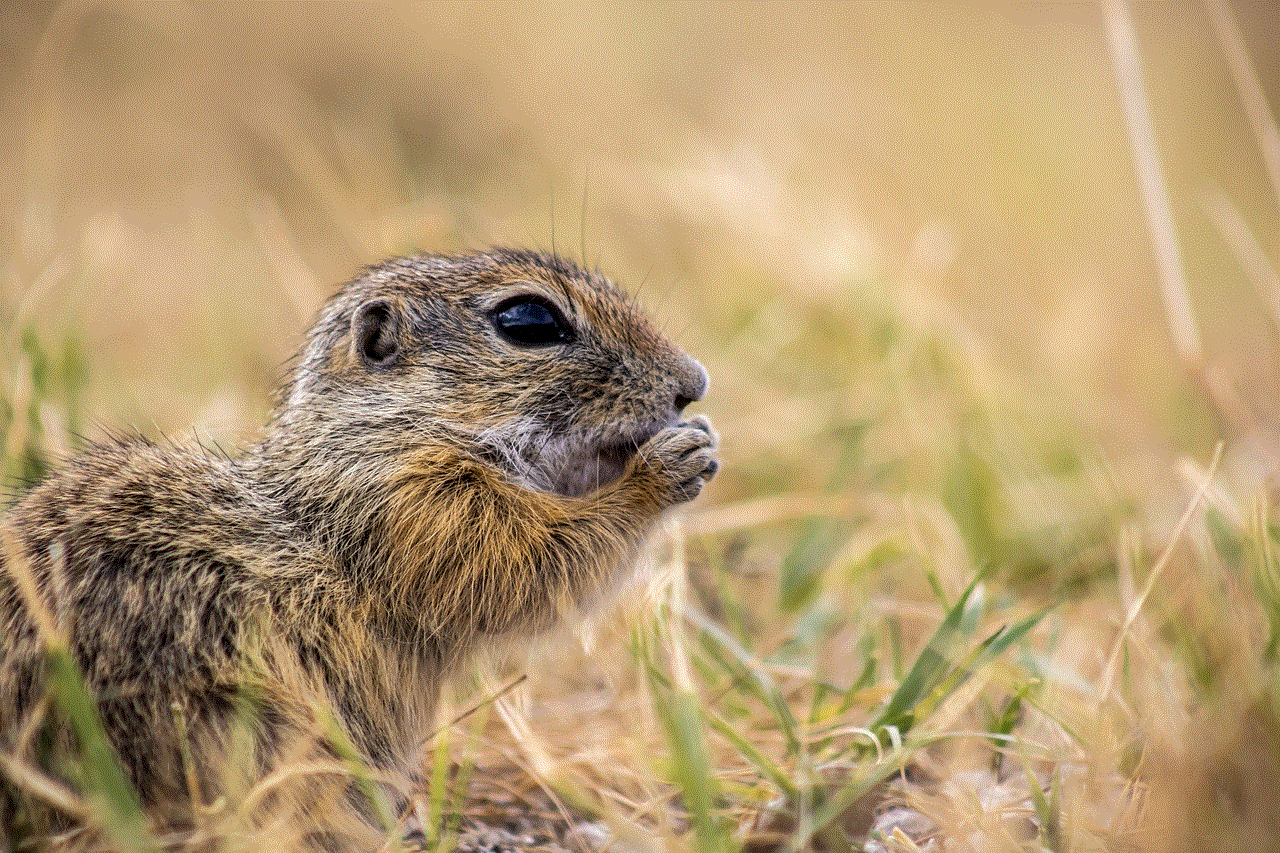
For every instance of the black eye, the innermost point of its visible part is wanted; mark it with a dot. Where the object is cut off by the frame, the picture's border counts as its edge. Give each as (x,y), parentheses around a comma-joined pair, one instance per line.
(531,322)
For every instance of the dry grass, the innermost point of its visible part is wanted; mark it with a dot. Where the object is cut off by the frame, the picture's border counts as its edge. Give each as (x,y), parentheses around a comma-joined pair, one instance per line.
(908,244)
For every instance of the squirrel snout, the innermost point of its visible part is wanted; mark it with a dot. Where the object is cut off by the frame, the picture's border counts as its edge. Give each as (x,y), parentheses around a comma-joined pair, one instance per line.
(693,384)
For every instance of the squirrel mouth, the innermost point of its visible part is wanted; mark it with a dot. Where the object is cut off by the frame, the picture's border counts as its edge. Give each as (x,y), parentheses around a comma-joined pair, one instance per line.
(618,455)
(592,469)
(571,464)
(598,464)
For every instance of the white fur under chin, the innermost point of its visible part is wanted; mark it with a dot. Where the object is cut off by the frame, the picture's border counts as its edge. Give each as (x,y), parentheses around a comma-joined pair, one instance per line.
(557,465)
(584,473)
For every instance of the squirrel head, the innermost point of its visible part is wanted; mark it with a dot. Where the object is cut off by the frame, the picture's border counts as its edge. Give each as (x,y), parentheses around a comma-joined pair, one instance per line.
(548,370)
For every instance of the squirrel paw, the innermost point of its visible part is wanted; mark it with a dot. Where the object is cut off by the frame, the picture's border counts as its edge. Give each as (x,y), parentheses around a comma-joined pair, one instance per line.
(680,459)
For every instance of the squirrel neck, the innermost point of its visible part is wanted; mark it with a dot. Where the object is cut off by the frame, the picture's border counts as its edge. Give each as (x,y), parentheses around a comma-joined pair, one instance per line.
(344,607)
(432,545)
(345,495)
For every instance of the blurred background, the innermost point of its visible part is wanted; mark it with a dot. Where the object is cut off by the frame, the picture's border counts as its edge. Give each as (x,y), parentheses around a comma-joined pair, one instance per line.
(186,181)
(906,239)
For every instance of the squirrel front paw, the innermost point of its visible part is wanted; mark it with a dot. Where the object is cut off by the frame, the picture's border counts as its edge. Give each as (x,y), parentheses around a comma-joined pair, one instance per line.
(679,460)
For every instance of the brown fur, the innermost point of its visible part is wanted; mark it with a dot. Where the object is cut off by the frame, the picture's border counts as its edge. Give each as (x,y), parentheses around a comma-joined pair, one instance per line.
(397,512)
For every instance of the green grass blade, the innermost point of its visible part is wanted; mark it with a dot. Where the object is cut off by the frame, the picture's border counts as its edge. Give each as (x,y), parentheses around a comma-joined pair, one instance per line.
(749,671)
(932,665)
(107,788)
(934,675)
(836,804)
(690,766)
(766,767)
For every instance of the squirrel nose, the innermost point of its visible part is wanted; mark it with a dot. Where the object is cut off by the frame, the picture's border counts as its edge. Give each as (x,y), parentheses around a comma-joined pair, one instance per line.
(693,384)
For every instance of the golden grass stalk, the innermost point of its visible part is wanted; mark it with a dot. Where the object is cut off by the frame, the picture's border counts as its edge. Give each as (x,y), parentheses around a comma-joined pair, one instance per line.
(1135,607)
(1179,312)
(1247,250)
(1249,88)
(43,787)
(110,800)
(1155,197)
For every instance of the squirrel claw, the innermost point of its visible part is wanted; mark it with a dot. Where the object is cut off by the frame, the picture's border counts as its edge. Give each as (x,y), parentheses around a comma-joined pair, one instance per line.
(681,459)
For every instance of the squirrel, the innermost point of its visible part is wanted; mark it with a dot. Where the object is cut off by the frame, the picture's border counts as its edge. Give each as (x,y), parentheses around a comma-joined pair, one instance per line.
(468,447)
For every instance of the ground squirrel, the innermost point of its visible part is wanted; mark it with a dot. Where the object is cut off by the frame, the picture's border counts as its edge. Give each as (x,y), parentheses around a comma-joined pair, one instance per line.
(468,446)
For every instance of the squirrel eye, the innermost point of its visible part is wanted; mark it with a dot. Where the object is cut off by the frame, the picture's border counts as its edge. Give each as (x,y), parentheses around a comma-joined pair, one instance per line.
(531,322)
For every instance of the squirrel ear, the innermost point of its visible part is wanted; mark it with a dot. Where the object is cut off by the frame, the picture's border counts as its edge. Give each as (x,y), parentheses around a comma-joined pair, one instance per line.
(375,333)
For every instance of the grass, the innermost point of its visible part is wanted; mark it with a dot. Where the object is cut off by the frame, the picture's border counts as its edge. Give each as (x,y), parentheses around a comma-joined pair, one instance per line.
(1019,576)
